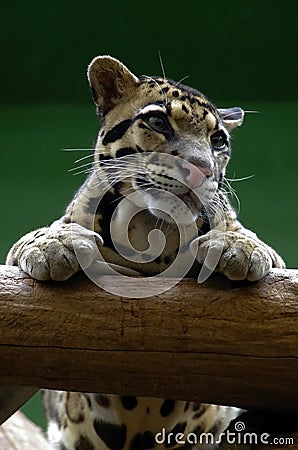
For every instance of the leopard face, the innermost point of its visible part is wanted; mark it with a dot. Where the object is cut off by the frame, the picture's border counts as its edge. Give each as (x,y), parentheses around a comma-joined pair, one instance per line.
(172,147)
(174,161)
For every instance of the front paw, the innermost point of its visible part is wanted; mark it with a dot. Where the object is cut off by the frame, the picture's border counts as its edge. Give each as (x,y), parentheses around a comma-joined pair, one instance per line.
(49,253)
(237,255)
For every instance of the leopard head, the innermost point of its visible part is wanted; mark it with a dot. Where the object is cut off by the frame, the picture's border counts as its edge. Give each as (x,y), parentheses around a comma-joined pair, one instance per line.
(161,137)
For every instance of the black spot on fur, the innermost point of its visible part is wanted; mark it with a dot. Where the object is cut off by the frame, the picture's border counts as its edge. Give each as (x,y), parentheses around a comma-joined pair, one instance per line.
(112,435)
(128,402)
(204,114)
(83,444)
(220,181)
(186,406)
(205,225)
(196,406)
(158,80)
(185,109)
(142,183)
(197,415)
(136,442)
(179,428)
(148,440)
(143,441)
(103,157)
(190,94)
(124,151)
(199,410)
(216,427)
(175,93)
(105,209)
(167,407)
(88,401)
(167,259)
(102,400)
(117,132)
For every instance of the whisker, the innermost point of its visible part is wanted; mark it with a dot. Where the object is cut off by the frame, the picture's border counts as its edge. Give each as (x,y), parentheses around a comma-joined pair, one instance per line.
(111,179)
(120,165)
(140,186)
(127,164)
(77,149)
(182,79)
(164,93)
(80,167)
(239,179)
(233,193)
(84,157)
(251,112)
(86,171)
(161,64)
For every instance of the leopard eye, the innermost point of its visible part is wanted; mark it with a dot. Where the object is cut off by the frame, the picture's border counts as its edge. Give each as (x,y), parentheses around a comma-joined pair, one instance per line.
(158,123)
(219,140)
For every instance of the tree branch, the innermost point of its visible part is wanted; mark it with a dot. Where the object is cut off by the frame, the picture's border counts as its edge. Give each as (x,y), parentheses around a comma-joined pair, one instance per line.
(220,342)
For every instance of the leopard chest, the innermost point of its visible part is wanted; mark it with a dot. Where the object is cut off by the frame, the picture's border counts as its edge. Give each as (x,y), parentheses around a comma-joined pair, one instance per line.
(138,240)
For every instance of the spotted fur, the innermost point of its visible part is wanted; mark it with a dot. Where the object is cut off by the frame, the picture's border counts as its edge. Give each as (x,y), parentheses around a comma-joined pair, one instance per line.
(170,145)
(96,421)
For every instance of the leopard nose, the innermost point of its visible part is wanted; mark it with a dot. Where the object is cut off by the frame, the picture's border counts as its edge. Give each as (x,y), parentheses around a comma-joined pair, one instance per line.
(196,174)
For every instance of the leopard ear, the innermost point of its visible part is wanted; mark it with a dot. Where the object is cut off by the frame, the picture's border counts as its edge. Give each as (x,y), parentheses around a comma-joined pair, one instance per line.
(231,117)
(109,79)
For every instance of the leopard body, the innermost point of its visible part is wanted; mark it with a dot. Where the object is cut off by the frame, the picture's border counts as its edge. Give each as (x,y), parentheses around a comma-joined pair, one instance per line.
(159,163)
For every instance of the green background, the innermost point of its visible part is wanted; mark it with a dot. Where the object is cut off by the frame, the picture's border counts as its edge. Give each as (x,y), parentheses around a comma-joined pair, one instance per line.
(239,53)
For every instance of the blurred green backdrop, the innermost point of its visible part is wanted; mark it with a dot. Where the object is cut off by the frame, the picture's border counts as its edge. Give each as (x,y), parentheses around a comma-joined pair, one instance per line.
(237,53)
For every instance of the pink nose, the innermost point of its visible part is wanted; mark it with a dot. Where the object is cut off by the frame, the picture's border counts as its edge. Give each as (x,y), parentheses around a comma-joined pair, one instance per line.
(196,174)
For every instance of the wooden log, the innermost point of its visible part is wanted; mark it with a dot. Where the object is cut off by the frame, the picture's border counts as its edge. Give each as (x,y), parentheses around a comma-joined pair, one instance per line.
(220,342)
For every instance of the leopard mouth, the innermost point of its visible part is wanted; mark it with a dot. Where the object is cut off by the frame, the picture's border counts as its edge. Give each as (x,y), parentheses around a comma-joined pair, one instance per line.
(192,201)
(156,186)
(182,191)
(170,201)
